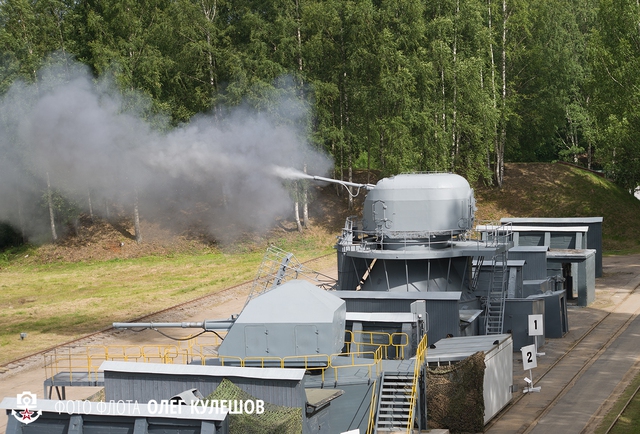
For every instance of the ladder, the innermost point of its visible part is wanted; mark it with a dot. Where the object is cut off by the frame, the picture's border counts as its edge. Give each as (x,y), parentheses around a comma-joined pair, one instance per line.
(494,318)
(476,270)
(394,402)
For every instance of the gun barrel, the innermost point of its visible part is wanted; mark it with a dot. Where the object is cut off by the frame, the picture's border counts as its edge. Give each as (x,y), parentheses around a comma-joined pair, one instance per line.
(206,325)
(346,183)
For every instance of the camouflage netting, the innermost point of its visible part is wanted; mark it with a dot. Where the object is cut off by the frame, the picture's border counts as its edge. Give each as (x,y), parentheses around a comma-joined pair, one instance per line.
(455,395)
(276,419)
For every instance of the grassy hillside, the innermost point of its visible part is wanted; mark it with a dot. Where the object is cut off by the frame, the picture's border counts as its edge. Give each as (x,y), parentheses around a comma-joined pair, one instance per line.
(558,190)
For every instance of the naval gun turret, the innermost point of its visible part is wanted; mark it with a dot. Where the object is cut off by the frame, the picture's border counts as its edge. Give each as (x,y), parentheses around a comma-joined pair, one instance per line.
(414,242)
(292,319)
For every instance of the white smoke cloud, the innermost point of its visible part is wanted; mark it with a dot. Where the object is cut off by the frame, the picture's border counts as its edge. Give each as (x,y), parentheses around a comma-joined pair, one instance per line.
(92,142)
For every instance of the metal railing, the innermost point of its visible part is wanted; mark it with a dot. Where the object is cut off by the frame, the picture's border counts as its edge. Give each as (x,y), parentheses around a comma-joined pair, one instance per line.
(492,233)
(59,361)
(360,340)
(419,361)
(372,360)
(372,410)
(87,360)
(487,234)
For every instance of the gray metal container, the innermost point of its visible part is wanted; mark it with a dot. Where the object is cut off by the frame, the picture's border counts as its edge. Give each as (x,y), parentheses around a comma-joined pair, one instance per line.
(516,320)
(594,235)
(293,319)
(498,359)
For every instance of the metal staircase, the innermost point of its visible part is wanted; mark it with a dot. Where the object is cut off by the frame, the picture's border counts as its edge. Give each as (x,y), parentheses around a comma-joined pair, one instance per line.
(394,402)
(494,318)
(476,270)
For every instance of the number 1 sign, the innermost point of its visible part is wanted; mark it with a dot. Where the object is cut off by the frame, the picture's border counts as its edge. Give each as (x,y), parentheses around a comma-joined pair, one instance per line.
(536,325)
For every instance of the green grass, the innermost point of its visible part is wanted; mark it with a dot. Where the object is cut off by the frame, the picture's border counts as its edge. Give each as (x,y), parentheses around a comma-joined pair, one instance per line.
(556,190)
(57,302)
(629,422)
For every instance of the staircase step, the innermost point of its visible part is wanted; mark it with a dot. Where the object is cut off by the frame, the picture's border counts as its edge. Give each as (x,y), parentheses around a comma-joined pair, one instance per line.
(393,423)
(391,411)
(403,415)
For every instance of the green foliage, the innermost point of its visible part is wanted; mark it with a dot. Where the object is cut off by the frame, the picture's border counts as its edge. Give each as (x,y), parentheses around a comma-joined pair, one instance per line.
(396,85)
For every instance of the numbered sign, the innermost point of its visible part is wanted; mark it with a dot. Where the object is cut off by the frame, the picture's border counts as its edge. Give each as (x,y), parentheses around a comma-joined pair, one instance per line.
(536,325)
(529,360)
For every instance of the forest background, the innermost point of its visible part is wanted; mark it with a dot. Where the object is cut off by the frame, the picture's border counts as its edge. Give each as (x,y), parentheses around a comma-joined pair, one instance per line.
(391,86)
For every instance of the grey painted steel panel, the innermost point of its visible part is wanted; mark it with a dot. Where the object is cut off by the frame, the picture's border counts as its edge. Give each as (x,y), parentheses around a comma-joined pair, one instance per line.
(101,418)
(556,319)
(583,272)
(420,204)
(294,318)
(442,307)
(143,386)
(351,409)
(594,235)
(215,371)
(516,319)
(537,286)
(536,261)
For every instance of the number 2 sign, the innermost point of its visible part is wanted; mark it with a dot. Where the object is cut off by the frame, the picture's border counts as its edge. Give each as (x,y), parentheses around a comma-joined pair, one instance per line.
(529,360)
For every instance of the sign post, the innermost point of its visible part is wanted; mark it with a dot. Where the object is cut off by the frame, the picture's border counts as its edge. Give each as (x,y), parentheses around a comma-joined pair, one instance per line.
(529,361)
(536,329)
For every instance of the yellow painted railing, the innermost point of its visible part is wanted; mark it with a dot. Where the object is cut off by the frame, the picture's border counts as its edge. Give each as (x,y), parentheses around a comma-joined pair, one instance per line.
(85,360)
(362,340)
(372,409)
(421,353)
(373,366)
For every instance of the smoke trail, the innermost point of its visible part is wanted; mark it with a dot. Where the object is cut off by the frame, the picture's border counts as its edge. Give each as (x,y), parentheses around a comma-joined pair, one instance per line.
(289,173)
(215,171)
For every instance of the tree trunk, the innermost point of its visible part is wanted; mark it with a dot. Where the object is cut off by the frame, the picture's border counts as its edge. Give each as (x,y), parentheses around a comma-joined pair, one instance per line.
(494,97)
(499,169)
(305,202)
(90,206)
(454,135)
(136,219)
(296,210)
(351,206)
(52,220)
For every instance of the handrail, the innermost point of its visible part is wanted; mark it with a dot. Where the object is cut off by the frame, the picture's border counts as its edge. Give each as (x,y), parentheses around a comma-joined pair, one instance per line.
(385,340)
(501,234)
(376,361)
(419,360)
(72,363)
(372,410)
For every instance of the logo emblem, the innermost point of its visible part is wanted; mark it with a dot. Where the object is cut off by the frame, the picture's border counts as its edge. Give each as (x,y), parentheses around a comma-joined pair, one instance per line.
(27,402)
